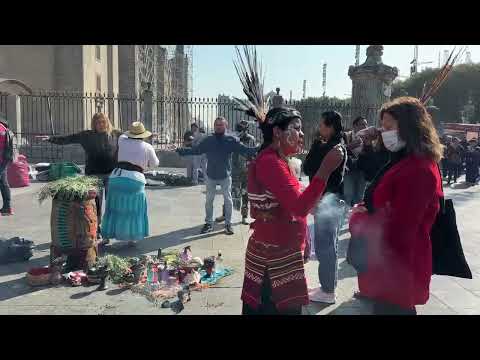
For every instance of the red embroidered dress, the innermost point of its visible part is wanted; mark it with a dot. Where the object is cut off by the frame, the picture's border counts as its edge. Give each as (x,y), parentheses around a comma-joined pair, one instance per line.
(279,232)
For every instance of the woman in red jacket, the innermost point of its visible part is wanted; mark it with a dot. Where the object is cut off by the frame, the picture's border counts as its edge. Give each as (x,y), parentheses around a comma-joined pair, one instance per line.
(274,281)
(398,212)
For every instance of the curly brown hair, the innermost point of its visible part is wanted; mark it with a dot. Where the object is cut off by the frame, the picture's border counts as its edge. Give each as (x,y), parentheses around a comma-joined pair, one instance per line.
(415,126)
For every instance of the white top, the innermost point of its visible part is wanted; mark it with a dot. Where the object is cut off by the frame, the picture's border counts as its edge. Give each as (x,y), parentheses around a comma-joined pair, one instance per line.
(137,152)
(134,175)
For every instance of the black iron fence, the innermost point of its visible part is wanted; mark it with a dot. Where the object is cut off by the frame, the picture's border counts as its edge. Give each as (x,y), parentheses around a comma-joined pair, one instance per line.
(67,113)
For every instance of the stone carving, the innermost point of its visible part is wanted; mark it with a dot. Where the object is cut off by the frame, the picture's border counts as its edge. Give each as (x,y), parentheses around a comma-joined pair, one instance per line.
(371,84)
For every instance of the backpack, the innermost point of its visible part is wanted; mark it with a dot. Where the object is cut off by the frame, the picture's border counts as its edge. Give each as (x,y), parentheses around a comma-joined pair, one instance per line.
(8,150)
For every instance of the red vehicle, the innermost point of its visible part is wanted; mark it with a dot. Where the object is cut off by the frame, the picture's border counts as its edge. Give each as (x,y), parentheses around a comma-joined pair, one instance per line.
(467,131)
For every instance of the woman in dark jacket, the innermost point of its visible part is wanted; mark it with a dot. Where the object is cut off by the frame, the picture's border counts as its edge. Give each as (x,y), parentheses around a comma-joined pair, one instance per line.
(399,210)
(373,158)
(329,211)
(101,147)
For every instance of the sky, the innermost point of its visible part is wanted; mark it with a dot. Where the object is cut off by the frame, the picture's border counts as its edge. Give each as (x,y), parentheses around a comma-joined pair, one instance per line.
(286,66)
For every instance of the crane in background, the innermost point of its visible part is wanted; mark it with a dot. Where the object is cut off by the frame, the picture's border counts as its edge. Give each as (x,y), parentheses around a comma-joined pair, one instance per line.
(324,81)
(357,55)
(415,63)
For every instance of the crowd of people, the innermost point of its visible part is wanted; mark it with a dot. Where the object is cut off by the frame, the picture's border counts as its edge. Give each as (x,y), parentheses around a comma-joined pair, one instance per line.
(388,178)
(461,157)
(390,220)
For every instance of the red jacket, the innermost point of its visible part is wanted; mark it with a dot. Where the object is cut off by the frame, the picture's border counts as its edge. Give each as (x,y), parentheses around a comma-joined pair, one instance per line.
(406,203)
(272,187)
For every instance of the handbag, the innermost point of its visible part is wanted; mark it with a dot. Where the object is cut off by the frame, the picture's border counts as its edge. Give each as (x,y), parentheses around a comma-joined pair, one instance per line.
(357,254)
(447,252)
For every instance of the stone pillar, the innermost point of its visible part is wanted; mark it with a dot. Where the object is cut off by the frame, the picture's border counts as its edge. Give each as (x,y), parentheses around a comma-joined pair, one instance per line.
(13,114)
(277,100)
(148,107)
(371,85)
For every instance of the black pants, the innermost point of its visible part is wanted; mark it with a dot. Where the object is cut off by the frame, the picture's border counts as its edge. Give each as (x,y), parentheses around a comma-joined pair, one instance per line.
(268,307)
(453,170)
(99,199)
(5,188)
(380,308)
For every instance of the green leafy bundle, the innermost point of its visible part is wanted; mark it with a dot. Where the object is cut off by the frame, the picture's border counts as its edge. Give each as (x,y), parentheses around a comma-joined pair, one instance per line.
(70,188)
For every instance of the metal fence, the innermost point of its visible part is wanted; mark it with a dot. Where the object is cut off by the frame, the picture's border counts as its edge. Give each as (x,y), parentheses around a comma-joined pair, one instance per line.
(67,113)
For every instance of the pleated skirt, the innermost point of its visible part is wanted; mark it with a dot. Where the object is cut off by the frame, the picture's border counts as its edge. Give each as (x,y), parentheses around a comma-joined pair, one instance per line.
(126,213)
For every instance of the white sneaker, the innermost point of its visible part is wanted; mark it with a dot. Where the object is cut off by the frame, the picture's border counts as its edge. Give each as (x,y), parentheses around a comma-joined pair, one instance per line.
(318,295)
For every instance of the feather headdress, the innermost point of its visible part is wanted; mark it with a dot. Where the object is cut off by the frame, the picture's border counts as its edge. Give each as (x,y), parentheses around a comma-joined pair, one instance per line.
(442,75)
(249,71)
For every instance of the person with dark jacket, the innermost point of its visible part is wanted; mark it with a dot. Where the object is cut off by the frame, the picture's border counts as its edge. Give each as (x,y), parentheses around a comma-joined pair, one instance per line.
(373,158)
(472,163)
(455,157)
(219,148)
(354,180)
(6,157)
(329,211)
(101,149)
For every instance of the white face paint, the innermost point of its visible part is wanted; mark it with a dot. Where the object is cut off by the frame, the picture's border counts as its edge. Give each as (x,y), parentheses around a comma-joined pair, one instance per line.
(293,136)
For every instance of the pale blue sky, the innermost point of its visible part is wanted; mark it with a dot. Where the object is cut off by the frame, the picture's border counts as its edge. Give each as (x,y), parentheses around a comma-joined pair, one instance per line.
(288,65)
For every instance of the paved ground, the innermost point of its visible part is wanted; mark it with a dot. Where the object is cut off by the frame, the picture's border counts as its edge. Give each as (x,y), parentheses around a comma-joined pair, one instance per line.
(176,216)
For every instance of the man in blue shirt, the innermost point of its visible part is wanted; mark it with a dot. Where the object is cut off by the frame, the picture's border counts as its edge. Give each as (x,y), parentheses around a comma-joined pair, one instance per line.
(218,149)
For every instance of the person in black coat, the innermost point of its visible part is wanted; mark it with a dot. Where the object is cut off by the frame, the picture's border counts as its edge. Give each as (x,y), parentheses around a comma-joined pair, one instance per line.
(329,212)
(472,163)
(373,158)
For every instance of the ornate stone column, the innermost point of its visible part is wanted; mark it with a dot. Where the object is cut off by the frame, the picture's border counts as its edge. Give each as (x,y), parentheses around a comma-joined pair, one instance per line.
(371,85)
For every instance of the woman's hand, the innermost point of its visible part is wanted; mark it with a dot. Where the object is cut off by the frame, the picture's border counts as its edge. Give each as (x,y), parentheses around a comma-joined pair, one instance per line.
(330,162)
(359,208)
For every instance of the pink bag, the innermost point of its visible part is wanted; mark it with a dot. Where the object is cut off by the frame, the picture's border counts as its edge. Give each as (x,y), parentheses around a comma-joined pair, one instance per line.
(18,172)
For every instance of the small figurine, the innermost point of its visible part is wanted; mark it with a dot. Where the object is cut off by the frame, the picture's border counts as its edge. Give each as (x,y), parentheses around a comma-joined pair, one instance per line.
(209,265)
(103,274)
(186,255)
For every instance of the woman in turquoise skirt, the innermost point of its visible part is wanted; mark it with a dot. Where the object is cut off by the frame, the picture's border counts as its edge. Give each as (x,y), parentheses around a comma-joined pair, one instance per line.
(126,216)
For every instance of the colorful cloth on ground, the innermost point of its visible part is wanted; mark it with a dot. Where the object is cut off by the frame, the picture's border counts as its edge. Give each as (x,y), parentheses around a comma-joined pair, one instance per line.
(280,235)
(213,279)
(126,216)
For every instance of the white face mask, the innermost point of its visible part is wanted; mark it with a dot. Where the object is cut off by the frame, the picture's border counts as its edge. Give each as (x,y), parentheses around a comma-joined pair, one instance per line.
(392,141)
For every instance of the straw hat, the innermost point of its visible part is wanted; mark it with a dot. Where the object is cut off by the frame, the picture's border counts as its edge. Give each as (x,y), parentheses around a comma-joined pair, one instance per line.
(138,131)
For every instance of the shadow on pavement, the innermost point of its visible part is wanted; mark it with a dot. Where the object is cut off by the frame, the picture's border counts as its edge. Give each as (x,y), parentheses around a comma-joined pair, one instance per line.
(82,295)
(17,287)
(346,271)
(171,239)
(21,267)
(118,291)
(352,307)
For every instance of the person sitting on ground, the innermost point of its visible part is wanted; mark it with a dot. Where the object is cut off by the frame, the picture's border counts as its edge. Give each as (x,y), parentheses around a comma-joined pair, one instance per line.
(126,213)
(219,148)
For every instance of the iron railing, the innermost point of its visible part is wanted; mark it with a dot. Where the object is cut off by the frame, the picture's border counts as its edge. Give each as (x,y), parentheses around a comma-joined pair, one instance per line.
(67,113)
